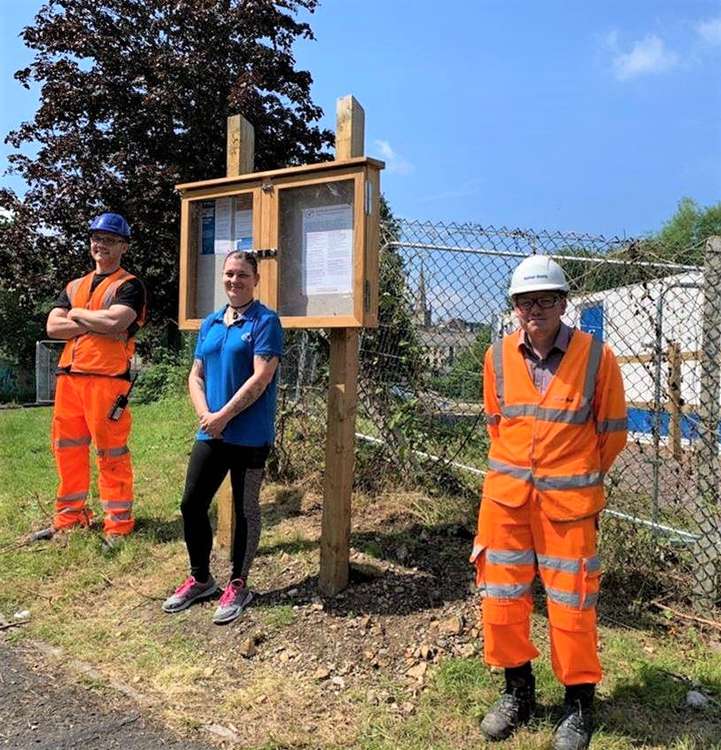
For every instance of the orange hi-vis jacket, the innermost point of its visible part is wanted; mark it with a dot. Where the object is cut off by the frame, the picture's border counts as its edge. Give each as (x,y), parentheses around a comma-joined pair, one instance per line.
(95,353)
(555,446)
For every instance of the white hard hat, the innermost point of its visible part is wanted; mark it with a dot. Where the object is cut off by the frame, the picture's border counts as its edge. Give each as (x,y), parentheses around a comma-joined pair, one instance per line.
(538,273)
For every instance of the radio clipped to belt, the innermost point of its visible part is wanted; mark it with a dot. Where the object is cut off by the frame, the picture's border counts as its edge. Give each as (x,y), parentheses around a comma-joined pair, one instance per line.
(121,402)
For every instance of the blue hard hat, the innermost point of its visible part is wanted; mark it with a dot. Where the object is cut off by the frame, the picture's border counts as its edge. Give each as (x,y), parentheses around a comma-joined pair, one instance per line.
(112,223)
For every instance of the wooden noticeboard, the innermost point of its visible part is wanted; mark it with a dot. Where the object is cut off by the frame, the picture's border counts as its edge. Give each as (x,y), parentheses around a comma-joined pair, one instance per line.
(304,224)
(314,229)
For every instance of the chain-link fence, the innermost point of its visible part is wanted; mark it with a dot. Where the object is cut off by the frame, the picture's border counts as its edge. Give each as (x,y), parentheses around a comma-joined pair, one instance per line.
(443,300)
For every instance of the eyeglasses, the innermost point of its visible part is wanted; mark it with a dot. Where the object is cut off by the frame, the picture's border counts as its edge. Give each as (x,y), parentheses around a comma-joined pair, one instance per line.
(545,303)
(99,239)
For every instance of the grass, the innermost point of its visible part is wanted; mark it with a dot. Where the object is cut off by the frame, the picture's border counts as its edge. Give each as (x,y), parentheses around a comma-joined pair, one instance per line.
(640,705)
(103,609)
(275,617)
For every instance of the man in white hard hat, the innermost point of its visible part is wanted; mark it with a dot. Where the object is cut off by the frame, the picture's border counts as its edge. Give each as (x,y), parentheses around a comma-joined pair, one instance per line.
(556,415)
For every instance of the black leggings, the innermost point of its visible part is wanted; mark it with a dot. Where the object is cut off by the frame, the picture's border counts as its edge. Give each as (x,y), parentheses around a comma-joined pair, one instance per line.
(210,461)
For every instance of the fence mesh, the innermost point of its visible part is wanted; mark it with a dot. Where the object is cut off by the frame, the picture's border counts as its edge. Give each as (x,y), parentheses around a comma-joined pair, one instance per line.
(47,356)
(443,300)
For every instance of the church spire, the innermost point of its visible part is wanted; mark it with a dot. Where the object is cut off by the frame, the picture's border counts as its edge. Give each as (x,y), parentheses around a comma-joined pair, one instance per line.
(422,312)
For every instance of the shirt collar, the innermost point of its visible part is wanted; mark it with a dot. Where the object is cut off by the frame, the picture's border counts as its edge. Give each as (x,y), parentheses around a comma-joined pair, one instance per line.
(250,313)
(561,342)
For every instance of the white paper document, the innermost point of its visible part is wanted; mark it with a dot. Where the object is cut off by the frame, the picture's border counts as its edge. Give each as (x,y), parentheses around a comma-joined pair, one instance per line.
(328,250)
(243,229)
(223,218)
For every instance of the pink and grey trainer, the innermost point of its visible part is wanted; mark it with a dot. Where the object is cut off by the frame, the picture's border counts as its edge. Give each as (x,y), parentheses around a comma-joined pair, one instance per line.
(234,600)
(188,592)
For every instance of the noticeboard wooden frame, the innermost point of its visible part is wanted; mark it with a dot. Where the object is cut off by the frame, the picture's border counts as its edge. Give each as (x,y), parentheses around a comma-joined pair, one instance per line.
(267,191)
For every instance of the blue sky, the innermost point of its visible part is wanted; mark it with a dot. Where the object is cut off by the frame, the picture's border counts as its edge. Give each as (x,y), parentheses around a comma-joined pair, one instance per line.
(578,116)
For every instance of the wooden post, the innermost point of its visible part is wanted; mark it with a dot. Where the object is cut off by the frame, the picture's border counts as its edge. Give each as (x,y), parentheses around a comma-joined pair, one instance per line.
(342,400)
(708,469)
(240,146)
(349,128)
(240,158)
(674,398)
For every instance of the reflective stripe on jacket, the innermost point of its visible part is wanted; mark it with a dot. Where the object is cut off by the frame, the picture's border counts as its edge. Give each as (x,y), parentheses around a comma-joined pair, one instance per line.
(558,445)
(95,353)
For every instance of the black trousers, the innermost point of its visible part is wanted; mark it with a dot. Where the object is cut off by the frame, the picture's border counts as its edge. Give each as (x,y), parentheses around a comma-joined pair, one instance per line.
(210,461)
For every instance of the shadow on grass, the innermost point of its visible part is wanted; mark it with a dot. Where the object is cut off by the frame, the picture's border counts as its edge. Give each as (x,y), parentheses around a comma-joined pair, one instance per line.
(651,708)
(292,547)
(648,709)
(286,504)
(159,530)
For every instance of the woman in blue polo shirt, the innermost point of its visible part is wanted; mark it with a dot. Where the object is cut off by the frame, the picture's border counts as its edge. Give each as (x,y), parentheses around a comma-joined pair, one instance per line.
(232,386)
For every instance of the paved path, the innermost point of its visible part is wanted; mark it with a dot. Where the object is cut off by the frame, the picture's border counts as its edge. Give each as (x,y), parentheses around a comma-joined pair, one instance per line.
(43,711)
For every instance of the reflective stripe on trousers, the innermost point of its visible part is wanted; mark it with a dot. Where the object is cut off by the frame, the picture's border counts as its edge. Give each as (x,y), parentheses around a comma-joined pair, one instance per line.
(112,452)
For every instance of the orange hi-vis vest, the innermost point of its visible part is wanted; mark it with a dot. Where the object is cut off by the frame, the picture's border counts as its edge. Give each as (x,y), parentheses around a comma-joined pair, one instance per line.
(96,353)
(549,446)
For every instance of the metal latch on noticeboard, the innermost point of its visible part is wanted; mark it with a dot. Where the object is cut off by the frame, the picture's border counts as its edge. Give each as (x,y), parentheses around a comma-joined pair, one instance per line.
(265,252)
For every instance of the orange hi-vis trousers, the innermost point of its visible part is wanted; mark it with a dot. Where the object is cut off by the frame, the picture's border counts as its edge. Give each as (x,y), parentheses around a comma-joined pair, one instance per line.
(82,405)
(512,544)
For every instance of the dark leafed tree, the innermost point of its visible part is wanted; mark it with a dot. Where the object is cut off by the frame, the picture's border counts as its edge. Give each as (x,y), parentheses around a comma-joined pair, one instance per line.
(134,96)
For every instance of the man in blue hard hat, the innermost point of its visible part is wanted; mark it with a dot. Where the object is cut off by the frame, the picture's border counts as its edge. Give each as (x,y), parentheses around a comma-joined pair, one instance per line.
(97,315)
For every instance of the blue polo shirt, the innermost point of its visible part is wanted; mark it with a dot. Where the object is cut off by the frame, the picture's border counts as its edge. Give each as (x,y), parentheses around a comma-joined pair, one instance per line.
(227,355)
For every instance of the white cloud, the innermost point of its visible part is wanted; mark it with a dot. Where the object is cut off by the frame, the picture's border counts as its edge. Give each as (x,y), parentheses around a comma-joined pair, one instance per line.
(710,31)
(464,190)
(394,161)
(648,55)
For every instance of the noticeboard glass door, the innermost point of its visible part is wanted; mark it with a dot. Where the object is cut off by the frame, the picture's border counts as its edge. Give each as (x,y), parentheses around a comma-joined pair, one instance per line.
(217,226)
(317,249)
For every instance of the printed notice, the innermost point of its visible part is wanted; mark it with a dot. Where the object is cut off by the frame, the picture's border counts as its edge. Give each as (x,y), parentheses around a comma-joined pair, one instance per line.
(223,218)
(207,227)
(243,229)
(224,227)
(328,250)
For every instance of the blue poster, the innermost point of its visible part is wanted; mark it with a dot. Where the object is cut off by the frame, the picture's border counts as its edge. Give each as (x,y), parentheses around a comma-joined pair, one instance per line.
(207,228)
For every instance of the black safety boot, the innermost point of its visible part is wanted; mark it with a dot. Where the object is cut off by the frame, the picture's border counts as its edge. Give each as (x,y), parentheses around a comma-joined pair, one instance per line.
(515,707)
(576,726)
(42,535)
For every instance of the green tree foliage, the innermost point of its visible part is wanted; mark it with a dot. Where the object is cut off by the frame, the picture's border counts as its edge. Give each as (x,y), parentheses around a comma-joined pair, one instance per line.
(680,240)
(392,352)
(134,98)
(464,379)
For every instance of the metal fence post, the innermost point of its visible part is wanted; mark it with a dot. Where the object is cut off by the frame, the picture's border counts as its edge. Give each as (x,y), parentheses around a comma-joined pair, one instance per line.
(708,468)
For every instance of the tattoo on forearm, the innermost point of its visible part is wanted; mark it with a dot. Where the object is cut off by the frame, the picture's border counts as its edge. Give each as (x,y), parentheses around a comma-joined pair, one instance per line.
(266,357)
(243,399)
